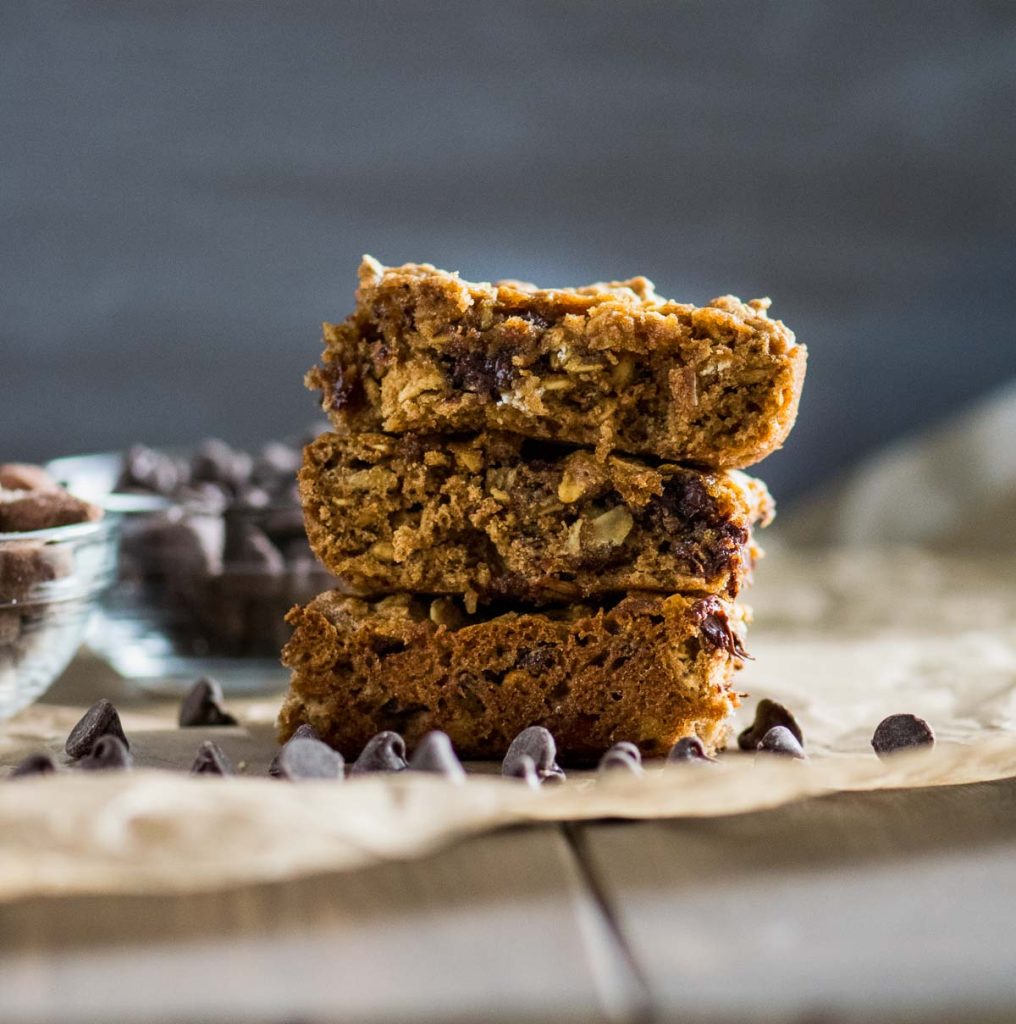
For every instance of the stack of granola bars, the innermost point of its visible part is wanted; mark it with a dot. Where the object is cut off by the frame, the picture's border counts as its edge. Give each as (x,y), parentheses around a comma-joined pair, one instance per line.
(534,504)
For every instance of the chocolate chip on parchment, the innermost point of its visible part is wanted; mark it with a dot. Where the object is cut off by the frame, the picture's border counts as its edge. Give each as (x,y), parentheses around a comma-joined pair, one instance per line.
(901,732)
(781,741)
(537,743)
(524,768)
(101,719)
(34,764)
(211,760)
(385,752)
(302,732)
(622,756)
(434,753)
(768,713)
(202,706)
(689,750)
(305,758)
(109,753)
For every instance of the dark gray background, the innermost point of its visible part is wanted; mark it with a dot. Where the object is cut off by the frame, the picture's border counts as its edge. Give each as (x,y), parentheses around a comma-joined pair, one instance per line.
(187,188)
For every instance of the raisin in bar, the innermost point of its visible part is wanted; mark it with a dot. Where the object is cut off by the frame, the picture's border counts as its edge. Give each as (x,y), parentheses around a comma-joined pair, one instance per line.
(609,365)
(496,516)
(648,668)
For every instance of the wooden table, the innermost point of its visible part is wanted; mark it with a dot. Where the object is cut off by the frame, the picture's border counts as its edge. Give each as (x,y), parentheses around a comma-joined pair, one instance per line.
(877,906)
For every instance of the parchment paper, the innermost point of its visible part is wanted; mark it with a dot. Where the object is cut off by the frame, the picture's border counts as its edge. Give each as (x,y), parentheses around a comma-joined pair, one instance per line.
(844,634)
(843,638)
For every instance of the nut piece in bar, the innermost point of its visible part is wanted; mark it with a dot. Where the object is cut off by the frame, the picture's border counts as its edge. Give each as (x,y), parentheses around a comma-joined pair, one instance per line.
(612,366)
(502,517)
(649,668)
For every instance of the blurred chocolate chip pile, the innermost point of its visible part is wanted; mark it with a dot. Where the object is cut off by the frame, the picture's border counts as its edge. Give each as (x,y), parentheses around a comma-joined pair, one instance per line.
(221,558)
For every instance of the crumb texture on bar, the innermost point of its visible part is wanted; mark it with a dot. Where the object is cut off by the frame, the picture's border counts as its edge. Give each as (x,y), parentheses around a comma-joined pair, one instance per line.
(498,516)
(612,366)
(649,669)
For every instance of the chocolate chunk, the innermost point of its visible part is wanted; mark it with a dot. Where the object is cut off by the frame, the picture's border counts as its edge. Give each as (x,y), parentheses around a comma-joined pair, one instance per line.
(145,469)
(385,752)
(537,743)
(434,753)
(305,758)
(341,387)
(109,753)
(248,546)
(780,740)
(24,511)
(211,760)
(202,706)
(276,463)
(101,719)
(34,764)
(215,461)
(302,732)
(485,373)
(623,756)
(20,476)
(716,628)
(689,750)
(901,732)
(768,714)
(524,768)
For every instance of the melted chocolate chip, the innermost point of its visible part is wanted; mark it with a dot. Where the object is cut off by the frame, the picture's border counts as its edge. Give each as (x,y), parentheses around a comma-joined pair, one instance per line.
(716,629)
(343,388)
(484,373)
(901,732)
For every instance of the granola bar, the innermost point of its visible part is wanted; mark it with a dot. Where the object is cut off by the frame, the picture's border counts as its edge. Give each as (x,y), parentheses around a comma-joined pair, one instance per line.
(496,516)
(609,365)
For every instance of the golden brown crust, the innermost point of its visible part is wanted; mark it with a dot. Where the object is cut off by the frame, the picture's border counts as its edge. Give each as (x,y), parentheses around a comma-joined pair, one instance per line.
(611,366)
(649,669)
(497,516)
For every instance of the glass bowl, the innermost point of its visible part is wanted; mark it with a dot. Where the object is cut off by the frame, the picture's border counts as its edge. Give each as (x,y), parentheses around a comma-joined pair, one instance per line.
(199,591)
(50,582)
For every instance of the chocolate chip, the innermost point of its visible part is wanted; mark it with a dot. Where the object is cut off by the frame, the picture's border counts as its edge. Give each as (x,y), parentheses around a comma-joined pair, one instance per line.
(34,764)
(302,732)
(305,758)
(109,753)
(385,752)
(780,740)
(768,714)
(623,756)
(248,546)
(901,732)
(211,760)
(689,750)
(101,719)
(434,753)
(218,463)
(524,768)
(485,373)
(716,629)
(202,706)
(145,469)
(537,743)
